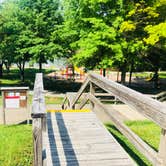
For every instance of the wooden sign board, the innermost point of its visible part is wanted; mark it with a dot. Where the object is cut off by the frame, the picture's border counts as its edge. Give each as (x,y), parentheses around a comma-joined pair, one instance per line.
(14,98)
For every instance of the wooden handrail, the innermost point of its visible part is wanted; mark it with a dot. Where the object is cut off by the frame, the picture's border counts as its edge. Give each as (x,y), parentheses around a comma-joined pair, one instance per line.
(152,109)
(38,119)
(126,131)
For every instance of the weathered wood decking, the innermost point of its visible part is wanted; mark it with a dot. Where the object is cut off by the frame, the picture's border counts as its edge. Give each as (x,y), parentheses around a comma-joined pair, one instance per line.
(76,139)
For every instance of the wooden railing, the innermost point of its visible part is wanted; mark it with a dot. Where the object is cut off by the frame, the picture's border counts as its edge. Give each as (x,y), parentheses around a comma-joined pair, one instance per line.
(38,120)
(150,108)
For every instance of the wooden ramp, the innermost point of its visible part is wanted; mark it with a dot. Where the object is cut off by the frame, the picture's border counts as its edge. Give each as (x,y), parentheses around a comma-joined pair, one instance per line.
(80,139)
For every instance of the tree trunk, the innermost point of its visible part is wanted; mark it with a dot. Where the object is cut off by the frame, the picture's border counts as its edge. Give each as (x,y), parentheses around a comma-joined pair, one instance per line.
(40,66)
(117,79)
(22,75)
(1,70)
(131,71)
(104,72)
(7,67)
(21,66)
(123,76)
(156,79)
(73,73)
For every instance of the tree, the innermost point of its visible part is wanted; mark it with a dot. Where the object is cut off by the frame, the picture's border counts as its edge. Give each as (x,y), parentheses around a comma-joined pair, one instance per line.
(134,29)
(16,38)
(95,24)
(26,31)
(45,18)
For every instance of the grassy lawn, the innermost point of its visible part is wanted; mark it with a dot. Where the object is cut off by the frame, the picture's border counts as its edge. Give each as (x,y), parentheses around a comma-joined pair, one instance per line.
(141,74)
(16,142)
(53,100)
(16,145)
(162,74)
(147,130)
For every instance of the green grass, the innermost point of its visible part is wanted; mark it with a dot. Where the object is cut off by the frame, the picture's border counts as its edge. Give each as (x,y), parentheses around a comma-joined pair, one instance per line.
(48,100)
(141,74)
(146,130)
(53,100)
(16,145)
(147,74)
(162,74)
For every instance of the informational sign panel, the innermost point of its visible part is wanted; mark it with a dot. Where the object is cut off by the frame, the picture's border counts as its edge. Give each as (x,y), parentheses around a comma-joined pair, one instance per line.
(14,98)
(12,101)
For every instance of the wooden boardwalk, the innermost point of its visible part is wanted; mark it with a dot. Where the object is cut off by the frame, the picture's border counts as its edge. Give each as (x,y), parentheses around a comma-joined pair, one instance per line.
(75,139)
(80,139)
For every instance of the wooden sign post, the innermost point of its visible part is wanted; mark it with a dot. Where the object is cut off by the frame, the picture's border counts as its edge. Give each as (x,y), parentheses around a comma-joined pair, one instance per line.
(14,98)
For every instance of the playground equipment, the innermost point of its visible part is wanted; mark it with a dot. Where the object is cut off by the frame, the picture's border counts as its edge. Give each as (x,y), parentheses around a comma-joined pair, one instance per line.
(72,72)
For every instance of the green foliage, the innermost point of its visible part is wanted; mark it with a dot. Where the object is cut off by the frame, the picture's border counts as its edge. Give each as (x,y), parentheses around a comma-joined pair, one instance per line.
(144,31)
(92,26)
(45,17)
(127,26)
(156,33)
(92,33)
(26,31)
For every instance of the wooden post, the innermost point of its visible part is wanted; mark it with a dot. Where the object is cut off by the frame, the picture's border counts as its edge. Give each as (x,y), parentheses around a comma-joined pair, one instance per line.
(3,107)
(37,141)
(27,108)
(162,148)
(39,120)
(92,92)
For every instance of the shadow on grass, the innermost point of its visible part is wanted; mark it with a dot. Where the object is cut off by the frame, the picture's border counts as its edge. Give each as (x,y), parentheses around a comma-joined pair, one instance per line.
(129,148)
(59,86)
(13,77)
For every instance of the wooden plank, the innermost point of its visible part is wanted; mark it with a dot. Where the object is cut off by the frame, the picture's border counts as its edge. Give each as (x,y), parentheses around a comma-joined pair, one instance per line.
(64,102)
(81,139)
(137,141)
(70,97)
(79,93)
(162,148)
(37,142)
(3,107)
(92,91)
(38,104)
(152,109)
(39,120)
(83,102)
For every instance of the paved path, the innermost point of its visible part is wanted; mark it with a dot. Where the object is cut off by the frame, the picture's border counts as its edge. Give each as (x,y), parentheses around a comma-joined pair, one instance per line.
(80,139)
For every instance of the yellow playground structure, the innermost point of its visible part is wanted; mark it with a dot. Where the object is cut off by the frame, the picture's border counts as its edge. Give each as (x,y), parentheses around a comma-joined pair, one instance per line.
(73,72)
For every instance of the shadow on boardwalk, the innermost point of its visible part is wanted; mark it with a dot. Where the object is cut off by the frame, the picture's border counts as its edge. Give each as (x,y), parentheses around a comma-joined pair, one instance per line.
(70,156)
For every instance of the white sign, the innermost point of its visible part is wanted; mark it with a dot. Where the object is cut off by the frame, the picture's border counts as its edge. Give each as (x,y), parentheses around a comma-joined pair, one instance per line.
(17,94)
(12,103)
(22,97)
(11,94)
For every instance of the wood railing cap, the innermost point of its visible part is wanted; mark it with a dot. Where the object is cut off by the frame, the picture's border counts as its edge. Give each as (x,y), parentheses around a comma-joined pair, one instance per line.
(38,104)
(147,106)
